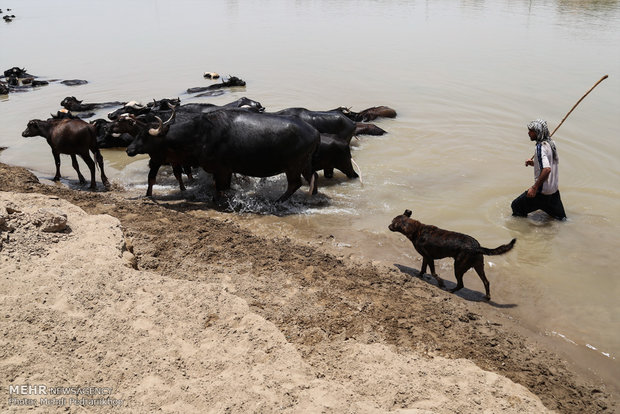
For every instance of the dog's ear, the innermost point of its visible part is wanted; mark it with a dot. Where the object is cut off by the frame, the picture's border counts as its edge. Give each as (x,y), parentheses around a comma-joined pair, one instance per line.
(407,213)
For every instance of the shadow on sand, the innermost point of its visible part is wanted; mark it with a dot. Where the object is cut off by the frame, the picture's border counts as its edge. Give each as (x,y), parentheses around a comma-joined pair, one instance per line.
(467,294)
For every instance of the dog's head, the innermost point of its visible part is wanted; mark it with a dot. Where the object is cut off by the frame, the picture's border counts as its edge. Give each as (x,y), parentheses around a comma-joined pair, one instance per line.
(400,222)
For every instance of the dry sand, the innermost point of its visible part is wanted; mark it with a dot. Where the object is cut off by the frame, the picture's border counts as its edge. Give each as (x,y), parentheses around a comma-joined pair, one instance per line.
(167,308)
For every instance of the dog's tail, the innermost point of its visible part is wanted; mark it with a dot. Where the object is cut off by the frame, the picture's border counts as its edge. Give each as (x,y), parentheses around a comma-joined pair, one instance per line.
(498,250)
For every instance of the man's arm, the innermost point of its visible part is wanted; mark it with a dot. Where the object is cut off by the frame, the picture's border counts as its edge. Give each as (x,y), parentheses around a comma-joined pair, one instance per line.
(544,174)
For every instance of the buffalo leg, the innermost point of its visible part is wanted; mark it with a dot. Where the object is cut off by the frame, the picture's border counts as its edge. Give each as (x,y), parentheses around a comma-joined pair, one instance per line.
(76,167)
(91,165)
(294,182)
(57,162)
(187,169)
(178,173)
(313,179)
(99,159)
(328,172)
(222,180)
(347,169)
(153,169)
(222,183)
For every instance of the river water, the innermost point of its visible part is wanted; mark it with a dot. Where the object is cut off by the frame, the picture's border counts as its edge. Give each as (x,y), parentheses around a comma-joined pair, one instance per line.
(465,78)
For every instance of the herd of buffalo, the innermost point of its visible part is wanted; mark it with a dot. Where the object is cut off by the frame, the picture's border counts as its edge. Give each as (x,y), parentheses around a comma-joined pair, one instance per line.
(237,138)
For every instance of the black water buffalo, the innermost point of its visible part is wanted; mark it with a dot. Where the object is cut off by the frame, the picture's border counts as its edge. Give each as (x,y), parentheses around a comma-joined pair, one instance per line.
(326,122)
(64,114)
(333,153)
(231,141)
(183,112)
(142,131)
(72,137)
(164,104)
(242,102)
(232,81)
(4,88)
(73,104)
(369,114)
(132,108)
(17,72)
(108,139)
(74,82)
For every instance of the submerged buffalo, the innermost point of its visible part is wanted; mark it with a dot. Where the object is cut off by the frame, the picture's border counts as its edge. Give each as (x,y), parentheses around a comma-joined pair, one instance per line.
(71,103)
(232,81)
(369,114)
(72,137)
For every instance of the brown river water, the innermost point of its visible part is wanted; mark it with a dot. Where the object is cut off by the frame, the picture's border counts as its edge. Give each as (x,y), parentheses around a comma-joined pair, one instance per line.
(465,78)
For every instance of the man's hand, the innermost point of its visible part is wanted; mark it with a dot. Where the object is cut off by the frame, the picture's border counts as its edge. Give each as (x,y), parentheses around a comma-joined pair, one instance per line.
(529,162)
(531,192)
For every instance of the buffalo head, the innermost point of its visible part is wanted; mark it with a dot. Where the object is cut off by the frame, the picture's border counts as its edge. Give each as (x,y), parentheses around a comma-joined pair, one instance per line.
(33,128)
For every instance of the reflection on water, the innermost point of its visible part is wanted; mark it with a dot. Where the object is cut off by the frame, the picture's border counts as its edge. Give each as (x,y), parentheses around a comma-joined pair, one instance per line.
(465,78)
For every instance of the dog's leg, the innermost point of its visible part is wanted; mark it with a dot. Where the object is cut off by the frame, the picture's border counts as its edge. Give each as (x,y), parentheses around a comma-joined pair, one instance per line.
(479,267)
(423,269)
(459,270)
(431,265)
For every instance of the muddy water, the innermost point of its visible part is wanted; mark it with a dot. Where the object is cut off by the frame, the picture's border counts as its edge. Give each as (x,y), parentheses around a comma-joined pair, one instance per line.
(465,78)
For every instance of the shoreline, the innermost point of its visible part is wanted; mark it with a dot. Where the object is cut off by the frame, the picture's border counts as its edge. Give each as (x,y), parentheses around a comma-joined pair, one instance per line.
(325,306)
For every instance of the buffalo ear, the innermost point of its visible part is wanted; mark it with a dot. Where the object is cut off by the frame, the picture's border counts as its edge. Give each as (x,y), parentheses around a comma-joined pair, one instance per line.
(408,213)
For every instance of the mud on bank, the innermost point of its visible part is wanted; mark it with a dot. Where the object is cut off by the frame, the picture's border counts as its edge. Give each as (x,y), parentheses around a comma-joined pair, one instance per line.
(322,302)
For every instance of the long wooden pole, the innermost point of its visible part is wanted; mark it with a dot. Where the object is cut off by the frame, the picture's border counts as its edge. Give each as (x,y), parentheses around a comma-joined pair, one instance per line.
(578,102)
(575,106)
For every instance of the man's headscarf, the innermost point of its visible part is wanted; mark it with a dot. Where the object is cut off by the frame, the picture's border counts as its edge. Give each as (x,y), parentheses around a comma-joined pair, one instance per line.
(542,134)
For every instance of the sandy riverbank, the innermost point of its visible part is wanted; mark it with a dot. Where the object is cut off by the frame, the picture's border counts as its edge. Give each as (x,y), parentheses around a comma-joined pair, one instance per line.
(166,305)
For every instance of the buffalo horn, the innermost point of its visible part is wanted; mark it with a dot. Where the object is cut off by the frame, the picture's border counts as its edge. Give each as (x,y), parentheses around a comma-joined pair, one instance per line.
(156,131)
(359,170)
(171,119)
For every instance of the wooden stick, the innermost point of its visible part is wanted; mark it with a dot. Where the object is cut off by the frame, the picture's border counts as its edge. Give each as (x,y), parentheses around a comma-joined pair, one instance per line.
(578,102)
(575,106)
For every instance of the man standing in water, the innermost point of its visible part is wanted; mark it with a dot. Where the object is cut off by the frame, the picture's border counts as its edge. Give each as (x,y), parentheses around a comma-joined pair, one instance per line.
(544,194)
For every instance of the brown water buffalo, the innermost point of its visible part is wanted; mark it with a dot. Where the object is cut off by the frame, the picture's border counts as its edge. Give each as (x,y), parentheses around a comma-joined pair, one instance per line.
(72,137)
(363,128)
(369,114)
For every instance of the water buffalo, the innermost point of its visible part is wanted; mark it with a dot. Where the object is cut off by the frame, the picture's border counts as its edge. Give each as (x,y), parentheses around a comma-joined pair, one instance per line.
(183,112)
(132,108)
(230,141)
(73,104)
(363,128)
(142,131)
(108,139)
(18,72)
(333,153)
(228,83)
(72,137)
(326,122)
(164,104)
(369,114)
(74,82)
